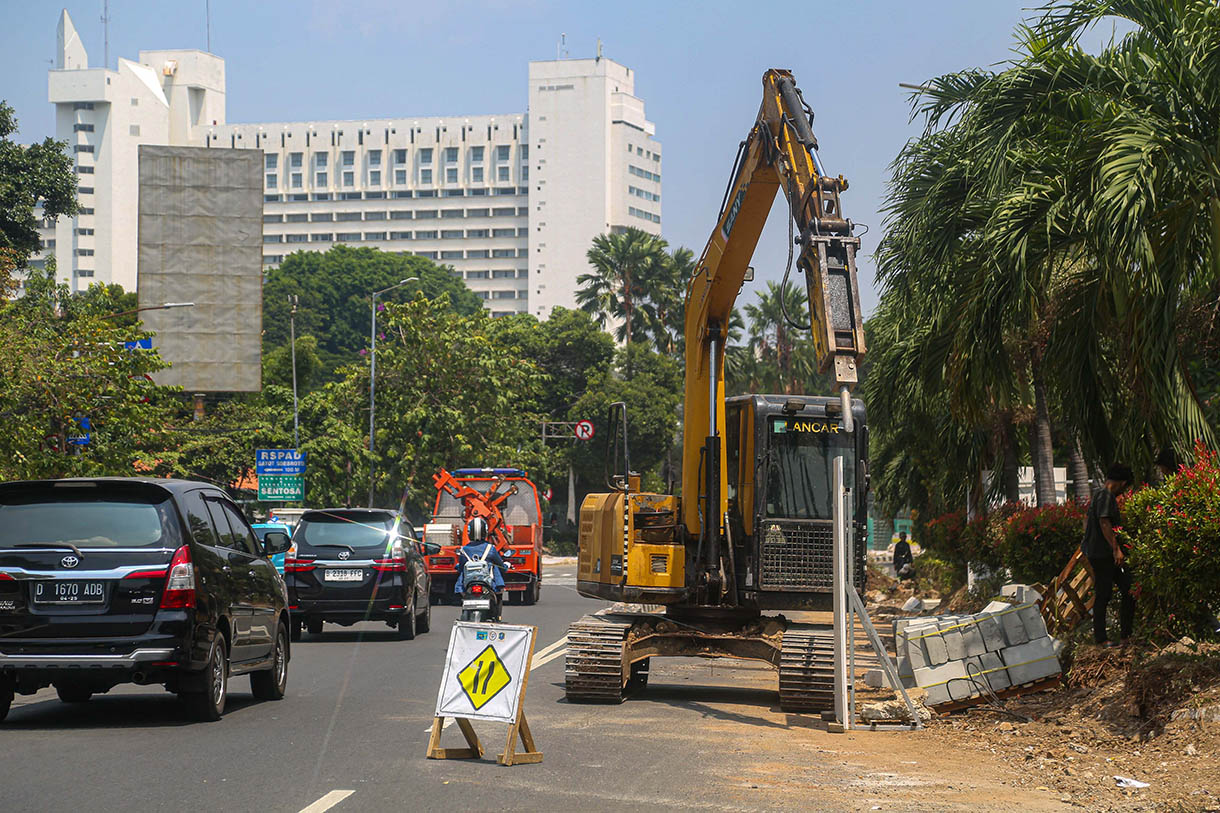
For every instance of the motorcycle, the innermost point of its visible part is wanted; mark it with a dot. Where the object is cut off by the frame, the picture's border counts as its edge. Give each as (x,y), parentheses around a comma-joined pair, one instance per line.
(480,601)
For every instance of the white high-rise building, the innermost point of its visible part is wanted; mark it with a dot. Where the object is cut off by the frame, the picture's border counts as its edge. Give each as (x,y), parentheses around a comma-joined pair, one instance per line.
(510,201)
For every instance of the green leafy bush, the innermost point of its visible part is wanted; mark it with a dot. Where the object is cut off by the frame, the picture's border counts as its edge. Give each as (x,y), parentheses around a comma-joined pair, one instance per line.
(1037,542)
(1173,534)
(939,575)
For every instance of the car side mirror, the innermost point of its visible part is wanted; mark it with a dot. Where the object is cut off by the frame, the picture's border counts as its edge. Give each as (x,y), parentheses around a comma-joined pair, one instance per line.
(276,542)
(431,548)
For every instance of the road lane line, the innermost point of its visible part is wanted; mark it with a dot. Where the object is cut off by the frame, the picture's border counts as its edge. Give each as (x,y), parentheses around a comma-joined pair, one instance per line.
(558,653)
(547,650)
(328,801)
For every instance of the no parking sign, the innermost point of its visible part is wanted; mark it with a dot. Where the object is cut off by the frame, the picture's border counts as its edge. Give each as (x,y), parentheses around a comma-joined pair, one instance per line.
(584,430)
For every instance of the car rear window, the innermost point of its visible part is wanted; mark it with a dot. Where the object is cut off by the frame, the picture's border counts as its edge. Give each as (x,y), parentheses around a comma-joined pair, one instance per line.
(87,515)
(344,529)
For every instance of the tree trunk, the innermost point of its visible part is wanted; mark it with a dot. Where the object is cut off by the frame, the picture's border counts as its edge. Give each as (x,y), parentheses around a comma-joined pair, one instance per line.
(1079,472)
(1040,444)
(1011,475)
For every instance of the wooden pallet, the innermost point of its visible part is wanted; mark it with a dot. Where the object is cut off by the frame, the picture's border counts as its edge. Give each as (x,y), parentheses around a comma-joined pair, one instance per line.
(1043,685)
(1069,599)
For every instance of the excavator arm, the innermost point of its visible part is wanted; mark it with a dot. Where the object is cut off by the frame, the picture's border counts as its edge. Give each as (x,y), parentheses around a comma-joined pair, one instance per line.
(781,152)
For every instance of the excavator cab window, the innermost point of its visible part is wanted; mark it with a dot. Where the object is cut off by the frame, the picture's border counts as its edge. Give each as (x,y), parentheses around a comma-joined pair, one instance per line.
(799,466)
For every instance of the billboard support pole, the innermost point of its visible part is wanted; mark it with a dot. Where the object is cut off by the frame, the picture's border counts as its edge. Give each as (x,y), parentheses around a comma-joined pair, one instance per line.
(292,329)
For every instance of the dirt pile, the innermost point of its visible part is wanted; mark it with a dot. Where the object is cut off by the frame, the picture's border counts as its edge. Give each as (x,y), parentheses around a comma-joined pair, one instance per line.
(1149,714)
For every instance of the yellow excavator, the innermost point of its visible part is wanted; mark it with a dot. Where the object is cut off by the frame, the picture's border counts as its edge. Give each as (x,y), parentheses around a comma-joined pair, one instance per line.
(753,529)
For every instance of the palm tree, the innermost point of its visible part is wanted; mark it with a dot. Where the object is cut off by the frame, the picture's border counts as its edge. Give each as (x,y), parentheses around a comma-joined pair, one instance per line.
(627,267)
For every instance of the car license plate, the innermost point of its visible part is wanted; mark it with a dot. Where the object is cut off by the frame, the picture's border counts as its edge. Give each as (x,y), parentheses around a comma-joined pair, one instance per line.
(337,575)
(69,592)
(478,603)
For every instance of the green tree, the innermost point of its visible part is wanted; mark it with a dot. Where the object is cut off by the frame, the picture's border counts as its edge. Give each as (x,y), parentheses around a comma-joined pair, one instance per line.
(334,289)
(629,268)
(28,175)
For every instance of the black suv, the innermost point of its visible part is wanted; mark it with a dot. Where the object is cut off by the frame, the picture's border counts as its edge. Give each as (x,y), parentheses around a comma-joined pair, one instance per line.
(125,580)
(358,564)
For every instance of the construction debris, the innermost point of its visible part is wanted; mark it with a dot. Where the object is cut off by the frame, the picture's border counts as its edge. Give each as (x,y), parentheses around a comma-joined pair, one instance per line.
(963,660)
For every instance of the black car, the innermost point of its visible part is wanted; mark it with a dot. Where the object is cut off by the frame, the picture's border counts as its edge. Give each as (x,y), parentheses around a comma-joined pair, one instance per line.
(358,564)
(125,580)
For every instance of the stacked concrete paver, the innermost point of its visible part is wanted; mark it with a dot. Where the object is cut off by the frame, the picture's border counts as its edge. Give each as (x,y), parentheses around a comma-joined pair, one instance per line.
(955,658)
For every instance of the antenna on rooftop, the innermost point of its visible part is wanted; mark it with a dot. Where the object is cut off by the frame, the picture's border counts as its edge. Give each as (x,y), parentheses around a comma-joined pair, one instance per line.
(561,47)
(207,11)
(106,30)
(599,49)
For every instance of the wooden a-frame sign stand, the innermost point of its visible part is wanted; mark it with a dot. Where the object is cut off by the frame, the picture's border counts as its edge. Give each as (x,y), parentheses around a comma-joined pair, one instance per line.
(474,748)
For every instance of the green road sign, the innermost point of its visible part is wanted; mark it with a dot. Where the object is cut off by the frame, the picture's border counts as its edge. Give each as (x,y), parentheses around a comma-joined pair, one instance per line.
(281,488)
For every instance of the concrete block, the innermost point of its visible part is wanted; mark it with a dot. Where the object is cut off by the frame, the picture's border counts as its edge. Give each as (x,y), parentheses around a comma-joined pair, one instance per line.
(945,683)
(874,678)
(1020,593)
(934,645)
(972,639)
(996,606)
(1014,630)
(1031,661)
(994,671)
(1035,625)
(951,634)
(991,631)
(904,668)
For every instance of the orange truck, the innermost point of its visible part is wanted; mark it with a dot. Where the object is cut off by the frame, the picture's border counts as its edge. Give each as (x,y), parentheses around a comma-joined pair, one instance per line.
(508,500)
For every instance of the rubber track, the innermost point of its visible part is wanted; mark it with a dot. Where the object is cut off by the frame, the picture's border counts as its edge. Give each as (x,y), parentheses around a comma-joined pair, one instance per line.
(806,670)
(593,669)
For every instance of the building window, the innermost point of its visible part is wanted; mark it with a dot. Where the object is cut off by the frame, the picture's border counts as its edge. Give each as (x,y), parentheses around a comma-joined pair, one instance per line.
(400,235)
(374,215)
(321,196)
(510,274)
(83,272)
(343,217)
(374,235)
(431,255)
(84,252)
(273,218)
(319,179)
(449,214)
(482,294)
(451,175)
(476,174)
(502,174)
(504,295)
(82,128)
(83,148)
(425,235)
(374,158)
(400,214)
(503,152)
(298,217)
(85,190)
(349,178)
(643,173)
(644,193)
(296,180)
(296,238)
(523,273)
(426,214)
(349,158)
(503,252)
(375,177)
(478,254)
(476,275)
(425,155)
(451,255)
(525,172)
(321,238)
(451,155)
(476,233)
(454,193)
(322,217)
(296,160)
(523,294)
(272,180)
(348,237)
(503,232)
(82,232)
(476,213)
(271,160)
(451,234)
(400,156)
(320,159)
(85,170)
(640,213)
(82,106)
(476,153)
(400,177)
(401,193)
(425,176)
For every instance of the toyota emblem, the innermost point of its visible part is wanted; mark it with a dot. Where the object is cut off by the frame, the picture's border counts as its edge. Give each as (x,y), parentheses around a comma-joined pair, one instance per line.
(69,561)
(345,554)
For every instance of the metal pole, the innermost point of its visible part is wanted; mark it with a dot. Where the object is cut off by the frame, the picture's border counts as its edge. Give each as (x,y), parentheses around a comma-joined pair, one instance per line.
(292,328)
(839,523)
(372,396)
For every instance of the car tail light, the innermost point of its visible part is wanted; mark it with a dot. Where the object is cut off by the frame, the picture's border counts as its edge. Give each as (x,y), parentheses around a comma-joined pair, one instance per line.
(180,586)
(4,577)
(396,562)
(159,573)
(477,588)
(299,564)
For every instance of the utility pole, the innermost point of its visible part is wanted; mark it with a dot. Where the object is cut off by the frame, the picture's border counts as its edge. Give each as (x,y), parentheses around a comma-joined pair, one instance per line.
(373,383)
(292,330)
(106,31)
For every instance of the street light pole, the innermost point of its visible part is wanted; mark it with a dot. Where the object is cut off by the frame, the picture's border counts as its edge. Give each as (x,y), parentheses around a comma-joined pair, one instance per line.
(373,382)
(292,332)
(163,307)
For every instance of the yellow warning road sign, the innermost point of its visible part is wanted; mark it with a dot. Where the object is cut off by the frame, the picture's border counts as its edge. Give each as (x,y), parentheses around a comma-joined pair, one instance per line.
(484,677)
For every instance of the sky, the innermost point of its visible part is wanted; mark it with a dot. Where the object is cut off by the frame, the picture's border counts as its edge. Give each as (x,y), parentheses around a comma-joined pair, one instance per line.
(698,66)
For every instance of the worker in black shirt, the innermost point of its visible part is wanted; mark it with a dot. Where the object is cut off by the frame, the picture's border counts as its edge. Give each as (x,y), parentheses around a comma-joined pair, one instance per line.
(1106,557)
(903,568)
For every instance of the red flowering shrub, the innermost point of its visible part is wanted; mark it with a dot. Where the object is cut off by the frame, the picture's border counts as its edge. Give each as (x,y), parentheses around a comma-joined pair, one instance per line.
(1173,534)
(940,534)
(1038,542)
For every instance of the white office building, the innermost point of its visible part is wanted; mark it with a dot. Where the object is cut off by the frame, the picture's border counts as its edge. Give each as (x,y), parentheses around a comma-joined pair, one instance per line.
(511,202)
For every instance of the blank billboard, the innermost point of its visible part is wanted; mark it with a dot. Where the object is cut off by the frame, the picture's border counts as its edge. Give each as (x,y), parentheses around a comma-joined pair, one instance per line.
(200,240)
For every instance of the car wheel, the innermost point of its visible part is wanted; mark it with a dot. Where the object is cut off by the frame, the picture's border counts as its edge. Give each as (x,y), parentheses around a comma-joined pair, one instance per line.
(73,694)
(423,621)
(296,630)
(270,684)
(532,593)
(406,623)
(6,698)
(207,705)
(314,625)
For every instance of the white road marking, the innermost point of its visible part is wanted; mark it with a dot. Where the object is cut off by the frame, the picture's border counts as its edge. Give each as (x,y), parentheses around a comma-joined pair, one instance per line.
(328,801)
(552,656)
(550,648)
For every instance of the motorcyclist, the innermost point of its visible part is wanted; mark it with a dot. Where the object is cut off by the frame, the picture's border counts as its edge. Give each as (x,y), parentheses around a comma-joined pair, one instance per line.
(477,548)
